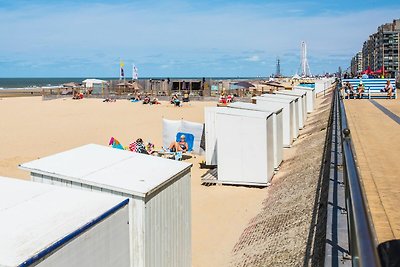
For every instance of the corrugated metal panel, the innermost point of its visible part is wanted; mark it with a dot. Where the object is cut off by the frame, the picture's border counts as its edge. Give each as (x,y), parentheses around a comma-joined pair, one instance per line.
(104,245)
(168,225)
(160,224)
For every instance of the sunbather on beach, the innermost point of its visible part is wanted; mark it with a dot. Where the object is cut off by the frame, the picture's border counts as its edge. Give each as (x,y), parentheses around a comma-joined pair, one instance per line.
(388,89)
(138,146)
(155,101)
(175,100)
(146,100)
(182,145)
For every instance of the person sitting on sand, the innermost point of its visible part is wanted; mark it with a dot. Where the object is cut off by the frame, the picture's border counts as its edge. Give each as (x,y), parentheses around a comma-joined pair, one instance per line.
(155,101)
(138,146)
(185,97)
(175,100)
(360,89)
(222,98)
(179,146)
(388,89)
(146,99)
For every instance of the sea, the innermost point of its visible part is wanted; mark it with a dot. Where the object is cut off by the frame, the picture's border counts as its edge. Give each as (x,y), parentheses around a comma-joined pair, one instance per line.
(29,83)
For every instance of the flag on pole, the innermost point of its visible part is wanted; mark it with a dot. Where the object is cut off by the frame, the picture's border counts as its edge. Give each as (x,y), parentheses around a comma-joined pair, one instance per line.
(134,73)
(121,65)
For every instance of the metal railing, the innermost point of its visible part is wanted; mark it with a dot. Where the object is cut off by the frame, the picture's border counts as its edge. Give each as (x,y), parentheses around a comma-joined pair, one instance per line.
(362,239)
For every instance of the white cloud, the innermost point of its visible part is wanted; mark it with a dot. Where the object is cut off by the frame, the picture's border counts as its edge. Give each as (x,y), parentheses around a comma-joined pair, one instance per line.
(254,58)
(194,38)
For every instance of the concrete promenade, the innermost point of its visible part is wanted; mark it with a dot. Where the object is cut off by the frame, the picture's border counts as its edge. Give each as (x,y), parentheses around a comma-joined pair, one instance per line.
(375,130)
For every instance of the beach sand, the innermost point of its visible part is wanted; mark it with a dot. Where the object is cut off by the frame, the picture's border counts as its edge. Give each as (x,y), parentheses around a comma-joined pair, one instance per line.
(32,128)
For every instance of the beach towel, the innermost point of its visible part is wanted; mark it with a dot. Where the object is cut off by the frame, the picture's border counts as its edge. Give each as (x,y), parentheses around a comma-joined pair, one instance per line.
(115,143)
(138,148)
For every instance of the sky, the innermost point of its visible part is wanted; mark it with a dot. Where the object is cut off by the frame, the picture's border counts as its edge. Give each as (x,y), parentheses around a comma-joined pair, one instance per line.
(183,38)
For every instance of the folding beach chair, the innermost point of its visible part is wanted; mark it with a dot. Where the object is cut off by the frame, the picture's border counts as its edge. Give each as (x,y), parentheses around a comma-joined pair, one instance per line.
(189,139)
(177,155)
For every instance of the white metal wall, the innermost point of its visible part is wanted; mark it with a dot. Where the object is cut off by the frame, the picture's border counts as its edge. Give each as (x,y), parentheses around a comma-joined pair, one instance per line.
(168,226)
(105,244)
(310,95)
(277,131)
(287,118)
(169,210)
(295,120)
(301,102)
(243,136)
(210,138)
(278,135)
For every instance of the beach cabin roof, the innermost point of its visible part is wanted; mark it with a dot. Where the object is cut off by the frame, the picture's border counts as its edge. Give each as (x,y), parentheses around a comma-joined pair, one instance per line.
(94,81)
(250,106)
(114,169)
(71,84)
(35,216)
(245,113)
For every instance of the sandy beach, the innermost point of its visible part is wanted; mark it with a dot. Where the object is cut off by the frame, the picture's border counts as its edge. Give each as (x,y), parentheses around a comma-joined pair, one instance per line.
(32,128)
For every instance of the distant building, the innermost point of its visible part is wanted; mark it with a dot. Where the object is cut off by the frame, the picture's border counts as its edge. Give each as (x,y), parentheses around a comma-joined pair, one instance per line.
(357,63)
(382,49)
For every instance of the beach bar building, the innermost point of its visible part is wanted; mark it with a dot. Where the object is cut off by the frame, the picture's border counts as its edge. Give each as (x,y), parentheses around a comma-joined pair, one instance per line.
(44,225)
(310,94)
(288,115)
(245,146)
(158,189)
(302,102)
(277,127)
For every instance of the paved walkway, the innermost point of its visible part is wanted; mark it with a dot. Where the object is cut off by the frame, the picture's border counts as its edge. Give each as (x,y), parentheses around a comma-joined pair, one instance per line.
(375,130)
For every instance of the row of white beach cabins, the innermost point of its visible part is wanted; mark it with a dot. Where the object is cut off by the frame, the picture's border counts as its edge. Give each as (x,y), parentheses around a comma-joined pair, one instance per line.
(139,210)
(246,140)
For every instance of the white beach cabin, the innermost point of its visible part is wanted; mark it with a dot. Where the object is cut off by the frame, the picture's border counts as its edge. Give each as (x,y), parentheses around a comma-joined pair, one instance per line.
(288,116)
(158,189)
(210,135)
(310,94)
(245,146)
(302,102)
(277,127)
(295,109)
(44,225)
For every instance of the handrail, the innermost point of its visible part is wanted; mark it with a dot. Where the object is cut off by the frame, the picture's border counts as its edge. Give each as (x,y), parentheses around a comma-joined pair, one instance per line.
(363,248)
